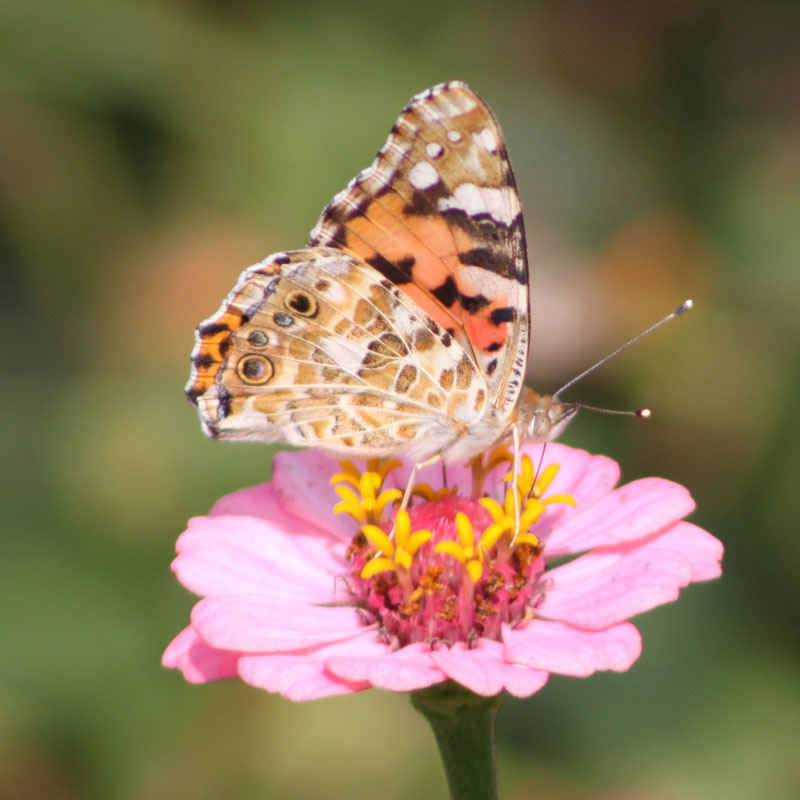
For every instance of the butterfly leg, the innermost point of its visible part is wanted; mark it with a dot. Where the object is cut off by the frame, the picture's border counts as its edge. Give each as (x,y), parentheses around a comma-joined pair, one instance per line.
(411,480)
(517,471)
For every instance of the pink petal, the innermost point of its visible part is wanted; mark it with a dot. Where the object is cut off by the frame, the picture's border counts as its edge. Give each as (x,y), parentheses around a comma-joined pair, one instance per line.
(630,512)
(256,623)
(253,501)
(318,537)
(402,670)
(263,502)
(295,677)
(302,482)
(560,648)
(303,676)
(605,587)
(241,555)
(699,546)
(198,661)
(484,669)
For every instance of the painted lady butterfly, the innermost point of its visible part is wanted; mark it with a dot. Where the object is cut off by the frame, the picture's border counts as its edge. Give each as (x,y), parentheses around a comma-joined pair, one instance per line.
(403,327)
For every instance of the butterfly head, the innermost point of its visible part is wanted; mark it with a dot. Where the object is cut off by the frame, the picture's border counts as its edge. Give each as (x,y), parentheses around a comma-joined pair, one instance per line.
(543,418)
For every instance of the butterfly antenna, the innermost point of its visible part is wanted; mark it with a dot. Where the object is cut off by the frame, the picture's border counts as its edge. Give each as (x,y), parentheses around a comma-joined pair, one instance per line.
(644,412)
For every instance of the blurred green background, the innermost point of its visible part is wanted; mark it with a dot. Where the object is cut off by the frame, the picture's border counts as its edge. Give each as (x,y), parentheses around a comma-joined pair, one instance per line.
(150,150)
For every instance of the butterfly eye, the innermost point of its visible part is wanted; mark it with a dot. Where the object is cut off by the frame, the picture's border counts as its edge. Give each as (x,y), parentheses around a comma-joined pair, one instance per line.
(258,339)
(255,369)
(302,303)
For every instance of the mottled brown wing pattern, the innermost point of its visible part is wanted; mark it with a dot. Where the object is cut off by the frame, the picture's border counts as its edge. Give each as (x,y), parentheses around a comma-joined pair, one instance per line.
(316,347)
(438,214)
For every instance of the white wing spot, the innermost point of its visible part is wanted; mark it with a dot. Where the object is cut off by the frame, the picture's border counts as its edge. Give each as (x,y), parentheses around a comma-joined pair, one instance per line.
(434,150)
(502,203)
(488,140)
(454,136)
(335,265)
(423,175)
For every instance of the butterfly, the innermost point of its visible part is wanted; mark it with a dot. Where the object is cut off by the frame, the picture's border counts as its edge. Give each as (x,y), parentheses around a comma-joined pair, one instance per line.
(402,328)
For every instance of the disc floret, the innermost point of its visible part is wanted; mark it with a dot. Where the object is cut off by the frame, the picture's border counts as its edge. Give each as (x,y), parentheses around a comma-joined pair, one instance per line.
(456,569)
(364,499)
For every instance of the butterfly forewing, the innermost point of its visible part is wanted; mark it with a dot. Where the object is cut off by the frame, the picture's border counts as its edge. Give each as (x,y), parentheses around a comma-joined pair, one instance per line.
(438,214)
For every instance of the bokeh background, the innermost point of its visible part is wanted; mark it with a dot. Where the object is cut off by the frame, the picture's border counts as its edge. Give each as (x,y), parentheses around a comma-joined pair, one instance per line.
(150,150)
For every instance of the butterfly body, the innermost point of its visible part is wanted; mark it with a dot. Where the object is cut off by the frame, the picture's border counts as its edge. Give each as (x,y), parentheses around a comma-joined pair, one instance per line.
(403,328)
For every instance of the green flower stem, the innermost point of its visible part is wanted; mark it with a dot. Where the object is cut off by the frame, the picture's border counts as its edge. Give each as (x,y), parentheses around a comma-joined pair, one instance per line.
(463,723)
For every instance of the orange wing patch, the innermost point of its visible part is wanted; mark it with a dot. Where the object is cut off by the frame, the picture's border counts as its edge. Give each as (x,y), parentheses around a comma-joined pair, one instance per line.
(213,341)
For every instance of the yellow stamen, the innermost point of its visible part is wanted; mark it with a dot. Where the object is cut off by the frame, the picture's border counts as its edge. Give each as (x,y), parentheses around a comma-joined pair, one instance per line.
(464,550)
(369,484)
(498,456)
(407,541)
(402,558)
(525,484)
(480,471)
(384,498)
(493,507)
(466,535)
(350,472)
(377,565)
(365,502)
(475,570)
(545,479)
(466,556)
(533,510)
(510,507)
(452,549)
(417,539)
(560,498)
(525,477)
(426,492)
(386,467)
(397,555)
(504,517)
(344,477)
(402,527)
(378,538)
(350,504)
(492,534)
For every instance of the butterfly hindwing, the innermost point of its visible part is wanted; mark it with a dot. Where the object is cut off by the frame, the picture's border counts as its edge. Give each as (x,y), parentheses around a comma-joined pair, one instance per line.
(315,347)
(438,214)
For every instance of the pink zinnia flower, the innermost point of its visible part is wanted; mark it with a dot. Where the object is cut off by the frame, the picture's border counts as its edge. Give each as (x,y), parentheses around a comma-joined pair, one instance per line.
(309,603)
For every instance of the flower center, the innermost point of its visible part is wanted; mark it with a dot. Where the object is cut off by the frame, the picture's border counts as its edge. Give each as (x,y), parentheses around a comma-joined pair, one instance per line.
(456,569)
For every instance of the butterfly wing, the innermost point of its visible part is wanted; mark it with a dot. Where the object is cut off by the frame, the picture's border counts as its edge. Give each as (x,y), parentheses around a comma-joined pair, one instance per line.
(437,213)
(316,348)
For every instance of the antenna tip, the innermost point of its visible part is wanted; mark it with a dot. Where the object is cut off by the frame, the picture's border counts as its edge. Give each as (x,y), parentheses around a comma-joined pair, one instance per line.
(644,413)
(684,307)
